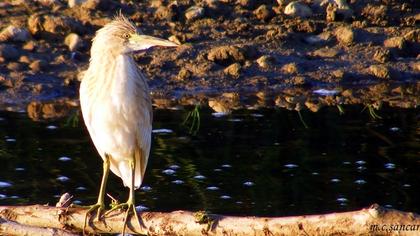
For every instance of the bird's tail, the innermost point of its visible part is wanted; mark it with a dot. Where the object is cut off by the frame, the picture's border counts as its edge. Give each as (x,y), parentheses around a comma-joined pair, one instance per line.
(140,167)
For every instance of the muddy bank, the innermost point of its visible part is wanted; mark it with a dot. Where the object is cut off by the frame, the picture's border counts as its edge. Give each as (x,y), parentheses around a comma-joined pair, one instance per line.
(363,52)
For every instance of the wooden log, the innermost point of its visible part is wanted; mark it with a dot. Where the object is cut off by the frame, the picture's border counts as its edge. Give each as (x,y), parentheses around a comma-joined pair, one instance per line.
(374,220)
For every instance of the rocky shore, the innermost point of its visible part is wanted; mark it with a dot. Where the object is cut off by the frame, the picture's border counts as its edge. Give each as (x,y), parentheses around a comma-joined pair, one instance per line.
(291,54)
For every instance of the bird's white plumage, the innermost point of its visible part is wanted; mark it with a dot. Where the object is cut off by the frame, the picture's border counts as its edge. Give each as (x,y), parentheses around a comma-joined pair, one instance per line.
(116,108)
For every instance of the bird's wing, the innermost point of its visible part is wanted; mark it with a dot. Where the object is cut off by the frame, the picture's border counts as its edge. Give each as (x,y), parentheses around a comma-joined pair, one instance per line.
(144,131)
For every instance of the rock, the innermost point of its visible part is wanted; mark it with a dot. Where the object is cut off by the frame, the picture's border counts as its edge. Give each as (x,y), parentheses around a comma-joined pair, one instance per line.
(194,12)
(50,110)
(376,14)
(413,36)
(48,3)
(12,33)
(338,74)
(24,59)
(395,42)
(226,55)
(14,66)
(325,52)
(416,66)
(183,74)
(233,70)
(380,71)
(298,9)
(62,25)
(265,61)
(8,52)
(87,4)
(247,4)
(313,106)
(38,65)
(290,68)
(164,13)
(382,55)
(338,11)
(5,82)
(73,41)
(264,13)
(345,35)
(30,46)
(298,80)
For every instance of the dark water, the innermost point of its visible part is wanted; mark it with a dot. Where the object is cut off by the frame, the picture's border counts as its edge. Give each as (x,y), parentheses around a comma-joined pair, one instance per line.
(251,162)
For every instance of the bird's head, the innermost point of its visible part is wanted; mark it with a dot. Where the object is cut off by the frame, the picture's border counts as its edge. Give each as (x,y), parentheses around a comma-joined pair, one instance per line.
(120,36)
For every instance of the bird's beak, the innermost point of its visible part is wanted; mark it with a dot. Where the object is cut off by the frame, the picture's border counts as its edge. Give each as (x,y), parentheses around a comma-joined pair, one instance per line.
(139,42)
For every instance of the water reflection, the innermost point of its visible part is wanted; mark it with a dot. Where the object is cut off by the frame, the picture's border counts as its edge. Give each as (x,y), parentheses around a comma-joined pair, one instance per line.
(264,163)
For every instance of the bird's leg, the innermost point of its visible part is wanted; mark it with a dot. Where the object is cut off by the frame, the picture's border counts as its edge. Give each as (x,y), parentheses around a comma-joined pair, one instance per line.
(100,205)
(130,204)
(131,199)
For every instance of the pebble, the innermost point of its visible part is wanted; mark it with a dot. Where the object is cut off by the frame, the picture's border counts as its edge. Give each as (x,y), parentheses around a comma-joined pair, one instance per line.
(265,61)
(88,4)
(73,42)
(395,42)
(233,70)
(298,9)
(12,33)
(183,74)
(325,52)
(290,68)
(345,35)
(224,54)
(380,71)
(194,12)
(38,65)
(264,12)
(382,55)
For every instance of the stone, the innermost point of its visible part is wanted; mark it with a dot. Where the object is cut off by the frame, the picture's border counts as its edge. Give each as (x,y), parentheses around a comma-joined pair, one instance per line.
(38,65)
(73,42)
(226,55)
(345,35)
(233,70)
(16,34)
(382,55)
(298,9)
(247,4)
(264,13)
(183,74)
(380,71)
(194,12)
(395,42)
(290,68)
(87,4)
(325,52)
(265,61)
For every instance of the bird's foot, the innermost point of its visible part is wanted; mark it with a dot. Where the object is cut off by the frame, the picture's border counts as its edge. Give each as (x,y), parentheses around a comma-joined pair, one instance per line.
(98,207)
(128,206)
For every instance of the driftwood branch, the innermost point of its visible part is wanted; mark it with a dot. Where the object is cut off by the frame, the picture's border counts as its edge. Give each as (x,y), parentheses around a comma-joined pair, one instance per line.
(374,220)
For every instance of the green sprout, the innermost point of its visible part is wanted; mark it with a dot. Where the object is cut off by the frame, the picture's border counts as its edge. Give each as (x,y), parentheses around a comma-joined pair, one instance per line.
(371,108)
(193,120)
(340,109)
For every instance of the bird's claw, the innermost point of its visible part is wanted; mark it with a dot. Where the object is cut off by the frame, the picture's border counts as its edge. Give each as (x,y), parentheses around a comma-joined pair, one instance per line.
(128,206)
(99,207)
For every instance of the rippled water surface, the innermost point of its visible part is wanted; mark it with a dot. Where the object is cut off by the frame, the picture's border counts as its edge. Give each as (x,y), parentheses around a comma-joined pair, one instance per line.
(250,162)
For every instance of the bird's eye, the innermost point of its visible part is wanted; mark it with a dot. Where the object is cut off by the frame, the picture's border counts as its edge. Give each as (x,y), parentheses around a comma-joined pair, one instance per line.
(126,36)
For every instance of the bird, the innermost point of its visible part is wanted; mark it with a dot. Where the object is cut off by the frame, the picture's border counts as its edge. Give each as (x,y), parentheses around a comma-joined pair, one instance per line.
(116,107)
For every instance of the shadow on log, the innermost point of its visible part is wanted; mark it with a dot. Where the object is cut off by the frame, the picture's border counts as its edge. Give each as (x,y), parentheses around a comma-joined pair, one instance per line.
(48,220)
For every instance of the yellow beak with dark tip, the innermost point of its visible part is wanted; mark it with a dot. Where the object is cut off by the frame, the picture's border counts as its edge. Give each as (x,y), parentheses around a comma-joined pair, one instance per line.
(139,42)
